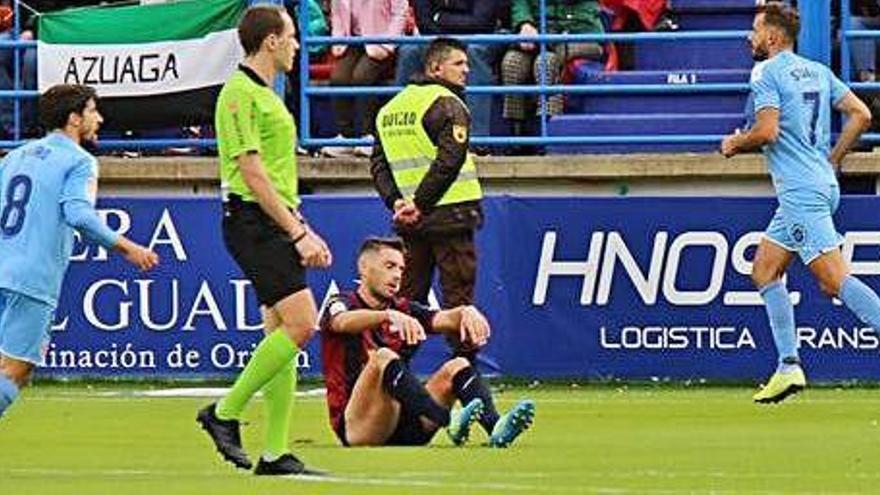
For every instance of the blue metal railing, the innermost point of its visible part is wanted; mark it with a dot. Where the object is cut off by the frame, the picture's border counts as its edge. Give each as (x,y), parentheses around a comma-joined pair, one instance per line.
(846,35)
(16,93)
(541,88)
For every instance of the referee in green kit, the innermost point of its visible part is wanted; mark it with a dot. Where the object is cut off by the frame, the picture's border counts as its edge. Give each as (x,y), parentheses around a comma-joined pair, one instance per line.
(266,235)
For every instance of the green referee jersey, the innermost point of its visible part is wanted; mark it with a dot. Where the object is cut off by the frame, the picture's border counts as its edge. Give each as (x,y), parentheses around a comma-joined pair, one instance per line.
(250,117)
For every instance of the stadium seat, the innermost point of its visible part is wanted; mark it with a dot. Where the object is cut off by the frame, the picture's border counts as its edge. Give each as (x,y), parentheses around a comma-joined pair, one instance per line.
(732,102)
(711,5)
(666,62)
(702,54)
(640,124)
(704,21)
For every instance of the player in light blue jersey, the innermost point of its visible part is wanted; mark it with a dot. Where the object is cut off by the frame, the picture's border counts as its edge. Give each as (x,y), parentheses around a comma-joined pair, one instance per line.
(47,189)
(792,104)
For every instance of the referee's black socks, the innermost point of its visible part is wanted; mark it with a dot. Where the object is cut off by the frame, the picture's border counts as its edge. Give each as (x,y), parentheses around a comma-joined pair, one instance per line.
(401,384)
(467,386)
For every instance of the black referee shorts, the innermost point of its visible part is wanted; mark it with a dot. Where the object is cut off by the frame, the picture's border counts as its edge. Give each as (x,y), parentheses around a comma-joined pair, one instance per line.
(263,251)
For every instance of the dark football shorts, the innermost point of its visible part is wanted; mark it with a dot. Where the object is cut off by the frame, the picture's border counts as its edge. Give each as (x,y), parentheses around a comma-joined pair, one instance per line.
(409,431)
(264,252)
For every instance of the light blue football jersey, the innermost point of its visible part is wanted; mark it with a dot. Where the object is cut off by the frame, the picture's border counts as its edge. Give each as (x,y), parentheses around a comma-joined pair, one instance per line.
(36,179)
(804,92)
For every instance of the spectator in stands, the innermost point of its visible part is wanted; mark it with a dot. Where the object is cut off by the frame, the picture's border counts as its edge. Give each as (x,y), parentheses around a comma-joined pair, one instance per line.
(866,15)
(362,65)
(28,74)
(27,58)
(521,64)
(454,18)
(647,15)
(317,23)
(317,26)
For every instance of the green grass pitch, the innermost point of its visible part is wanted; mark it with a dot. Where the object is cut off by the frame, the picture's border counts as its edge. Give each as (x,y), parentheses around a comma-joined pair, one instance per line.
(107,440)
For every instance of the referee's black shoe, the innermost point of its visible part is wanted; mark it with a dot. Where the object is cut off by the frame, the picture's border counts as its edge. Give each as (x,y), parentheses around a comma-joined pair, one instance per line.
(226,436)
(287,464)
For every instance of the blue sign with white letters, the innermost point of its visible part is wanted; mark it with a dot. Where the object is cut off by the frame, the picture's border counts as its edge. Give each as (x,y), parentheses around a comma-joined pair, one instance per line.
(596,288)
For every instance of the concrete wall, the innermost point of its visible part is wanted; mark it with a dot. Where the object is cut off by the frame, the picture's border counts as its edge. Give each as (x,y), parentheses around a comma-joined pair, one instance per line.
(590,175)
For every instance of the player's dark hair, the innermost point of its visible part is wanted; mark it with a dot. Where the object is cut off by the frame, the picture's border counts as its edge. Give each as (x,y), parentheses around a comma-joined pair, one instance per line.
(440,49)
(257,23)
(61,100)
(782,16)
(374,244)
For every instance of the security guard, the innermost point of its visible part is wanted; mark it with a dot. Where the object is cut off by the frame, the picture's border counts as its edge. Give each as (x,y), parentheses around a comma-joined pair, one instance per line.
(423,172)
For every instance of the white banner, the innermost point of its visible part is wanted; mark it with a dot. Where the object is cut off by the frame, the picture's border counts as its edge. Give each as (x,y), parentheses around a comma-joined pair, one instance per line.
(141,69)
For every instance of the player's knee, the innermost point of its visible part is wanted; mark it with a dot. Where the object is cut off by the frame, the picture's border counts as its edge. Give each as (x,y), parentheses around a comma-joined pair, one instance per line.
(384,356)
(271,320)
(453,366)
(299,334)
(829,287)
(358,440)
(763,276)
(20,374)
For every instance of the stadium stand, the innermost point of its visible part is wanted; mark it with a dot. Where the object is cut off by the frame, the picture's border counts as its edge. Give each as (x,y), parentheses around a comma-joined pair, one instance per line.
(681,62)
(670,62)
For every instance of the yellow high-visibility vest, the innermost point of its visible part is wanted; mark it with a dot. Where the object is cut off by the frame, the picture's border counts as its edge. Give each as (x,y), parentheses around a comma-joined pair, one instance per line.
(410,151)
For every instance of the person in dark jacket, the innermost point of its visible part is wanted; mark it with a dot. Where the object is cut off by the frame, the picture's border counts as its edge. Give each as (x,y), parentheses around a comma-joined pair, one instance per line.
(456,17)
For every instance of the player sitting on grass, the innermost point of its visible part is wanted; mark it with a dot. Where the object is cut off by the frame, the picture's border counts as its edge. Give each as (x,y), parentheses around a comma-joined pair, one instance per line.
(368,337)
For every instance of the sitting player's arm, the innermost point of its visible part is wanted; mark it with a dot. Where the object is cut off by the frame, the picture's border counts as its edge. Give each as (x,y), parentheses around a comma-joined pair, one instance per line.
(361,320)
(447,124)
(358,320)
(465,321)
(858,119)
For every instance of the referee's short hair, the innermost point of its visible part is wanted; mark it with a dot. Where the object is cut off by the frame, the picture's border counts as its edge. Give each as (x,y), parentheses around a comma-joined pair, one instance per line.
(375,244)
(258,23)
(58,102)
(440,49)
(783,17)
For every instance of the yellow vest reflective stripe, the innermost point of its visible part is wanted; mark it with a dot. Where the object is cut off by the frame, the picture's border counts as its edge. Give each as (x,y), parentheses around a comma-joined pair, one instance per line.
(410,151)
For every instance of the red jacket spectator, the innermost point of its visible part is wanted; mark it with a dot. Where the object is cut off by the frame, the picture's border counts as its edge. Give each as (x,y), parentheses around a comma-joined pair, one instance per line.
(647,11)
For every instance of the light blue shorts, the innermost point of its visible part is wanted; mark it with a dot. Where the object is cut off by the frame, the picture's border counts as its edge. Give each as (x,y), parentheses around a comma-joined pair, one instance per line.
(24,327)
(803,224)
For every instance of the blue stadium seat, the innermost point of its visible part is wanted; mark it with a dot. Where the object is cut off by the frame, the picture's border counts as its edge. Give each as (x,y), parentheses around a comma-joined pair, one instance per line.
(670,62)
(581,74)
(711,5)
(732,102)
(657,103)
(640,124)
(703,54)
(705,21)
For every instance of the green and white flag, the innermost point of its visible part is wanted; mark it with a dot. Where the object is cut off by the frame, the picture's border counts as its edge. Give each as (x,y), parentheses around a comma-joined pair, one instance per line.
(158,65)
